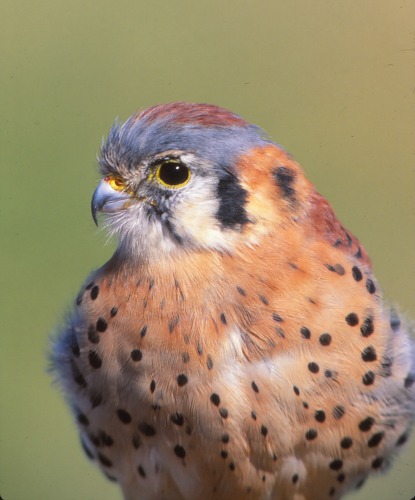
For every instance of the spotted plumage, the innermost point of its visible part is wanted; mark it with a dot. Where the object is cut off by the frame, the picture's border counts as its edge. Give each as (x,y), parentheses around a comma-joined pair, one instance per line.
(237,343)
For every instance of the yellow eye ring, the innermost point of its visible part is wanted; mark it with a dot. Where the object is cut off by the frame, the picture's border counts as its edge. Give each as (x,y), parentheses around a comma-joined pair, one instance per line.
(172,174)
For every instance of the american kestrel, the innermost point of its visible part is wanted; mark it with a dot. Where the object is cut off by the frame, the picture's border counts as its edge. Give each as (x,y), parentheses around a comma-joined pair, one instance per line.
(237,344)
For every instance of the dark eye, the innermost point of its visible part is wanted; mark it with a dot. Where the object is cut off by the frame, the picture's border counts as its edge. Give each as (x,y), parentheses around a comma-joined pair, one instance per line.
(172,174)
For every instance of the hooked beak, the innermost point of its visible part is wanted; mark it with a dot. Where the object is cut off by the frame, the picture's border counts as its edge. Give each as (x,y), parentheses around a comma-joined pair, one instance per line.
(107,200)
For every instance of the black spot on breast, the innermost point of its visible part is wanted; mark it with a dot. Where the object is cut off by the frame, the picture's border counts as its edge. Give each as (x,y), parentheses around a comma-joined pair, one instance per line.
(377,462)
(346,443)
(338,412)
(113,311)
(179,451)
(336,464)
(94,292)
(94,360)
(337,268)
(325,339)
(368,378)
(232,200)
(74,346)
(147,429)
(93,336)
(352,319)
(370,286)
(366,424)
(311,434)
(305,332)
(124,416)
(367,327)
(182,380)
(264,430)
(177,418)
(104,460)
(102,325)
(357,273)
(254,386)
(375,439)
(77,376)
(82,419)
(320,416)
(284,177)
(141,471)
(223,412)
(215,399)
(369,354)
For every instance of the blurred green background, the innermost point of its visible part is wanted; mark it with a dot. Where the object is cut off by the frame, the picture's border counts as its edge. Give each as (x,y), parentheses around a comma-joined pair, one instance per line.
(332,81)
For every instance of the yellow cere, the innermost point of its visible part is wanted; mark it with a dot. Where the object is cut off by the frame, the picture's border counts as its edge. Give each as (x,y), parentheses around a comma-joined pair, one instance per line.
(116,183)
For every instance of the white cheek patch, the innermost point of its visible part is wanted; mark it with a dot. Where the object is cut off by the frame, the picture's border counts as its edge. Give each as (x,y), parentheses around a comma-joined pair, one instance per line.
(194,216)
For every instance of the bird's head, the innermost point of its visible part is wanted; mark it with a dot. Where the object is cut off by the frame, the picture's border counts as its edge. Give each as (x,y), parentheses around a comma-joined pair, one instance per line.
(187,177)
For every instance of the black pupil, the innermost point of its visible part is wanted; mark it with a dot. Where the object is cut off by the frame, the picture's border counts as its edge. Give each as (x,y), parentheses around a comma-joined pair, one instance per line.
(173,174)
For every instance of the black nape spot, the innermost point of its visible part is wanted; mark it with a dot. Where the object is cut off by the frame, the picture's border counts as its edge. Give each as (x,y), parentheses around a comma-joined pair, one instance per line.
(152,386)
(143,331)
(366,424)
(305,405)
(338,412)
(177,418)
(254,386)
(104,460)
(336,464)
(369,354)
(370,286)
(320,416)
(357,273)
(94,360)
(368,378)
(232,200)
(113,311)
(209,362)
(182,380)
(352,319)
(241,291)
(94,292)
(313,367)
(224,454)
(284,178)
(296,390)
(337,268)
(146,429)
(102,325)
(185,357)
(295,478)
(141,471)
(93,336)
(325,339)
(215,399)
(223,319)
(328,373)
(179,451)
(409,380)
(305,332)
(346,443)
(223,412)
(377,462)
(136,355)
(264,430)
(375,439)
(311,434)
(367,327)
(124,416)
